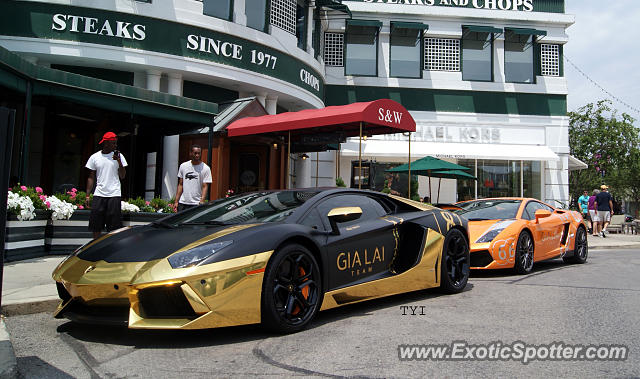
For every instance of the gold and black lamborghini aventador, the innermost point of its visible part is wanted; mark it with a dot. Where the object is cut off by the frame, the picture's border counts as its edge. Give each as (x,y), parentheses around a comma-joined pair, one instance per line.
(272,257)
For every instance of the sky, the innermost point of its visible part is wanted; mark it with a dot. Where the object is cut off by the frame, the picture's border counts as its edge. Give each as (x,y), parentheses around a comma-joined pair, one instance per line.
(604,44)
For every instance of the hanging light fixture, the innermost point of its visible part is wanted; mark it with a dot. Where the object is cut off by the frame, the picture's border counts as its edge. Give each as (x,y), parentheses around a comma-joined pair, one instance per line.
(304,156)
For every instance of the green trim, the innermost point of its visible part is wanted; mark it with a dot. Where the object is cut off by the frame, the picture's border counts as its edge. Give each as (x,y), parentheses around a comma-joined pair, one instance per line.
(104,94)
(373,23)
(431,100)
(481,29)
(524,31)
(408,25)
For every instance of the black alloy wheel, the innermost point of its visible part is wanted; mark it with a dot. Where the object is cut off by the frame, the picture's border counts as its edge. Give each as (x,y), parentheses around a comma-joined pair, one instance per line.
(291,291)
(455,262)
(524,253)
(580,249)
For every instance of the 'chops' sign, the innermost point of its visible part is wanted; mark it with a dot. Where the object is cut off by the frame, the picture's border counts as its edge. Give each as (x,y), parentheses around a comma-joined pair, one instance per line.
(505,5)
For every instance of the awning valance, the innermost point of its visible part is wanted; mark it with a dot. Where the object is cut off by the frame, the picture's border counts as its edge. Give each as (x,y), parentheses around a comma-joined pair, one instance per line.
(376,117)
(373,23)
(576,164)
(335,5)
(380,149)
(525,31)
(481,29)
(408,25)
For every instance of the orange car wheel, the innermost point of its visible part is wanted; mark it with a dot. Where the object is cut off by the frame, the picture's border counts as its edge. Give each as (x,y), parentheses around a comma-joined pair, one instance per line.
(524,253)
(580,249)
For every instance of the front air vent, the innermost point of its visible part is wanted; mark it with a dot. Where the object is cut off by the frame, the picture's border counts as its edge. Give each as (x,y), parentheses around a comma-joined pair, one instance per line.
(165,302)
(480,258)
(62,292)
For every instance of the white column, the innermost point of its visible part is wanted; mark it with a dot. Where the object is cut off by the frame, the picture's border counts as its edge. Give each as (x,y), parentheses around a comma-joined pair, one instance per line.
(153,80)
(171,149)
(303,173)
(262,97)
(239,13)
(310,22)
(384,46)
(271,103)
(498,60)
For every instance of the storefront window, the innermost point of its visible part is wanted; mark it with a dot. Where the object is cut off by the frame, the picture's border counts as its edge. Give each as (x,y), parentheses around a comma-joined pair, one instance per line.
(532,179)
(501,178)
(301,24)
(362,50)
(405,52)
(477,54)
(518,58)
(218,8)
(256,12)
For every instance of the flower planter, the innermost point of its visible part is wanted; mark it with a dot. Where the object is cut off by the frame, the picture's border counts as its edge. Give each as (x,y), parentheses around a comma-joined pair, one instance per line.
(25,239)
(64,236)
(141,218)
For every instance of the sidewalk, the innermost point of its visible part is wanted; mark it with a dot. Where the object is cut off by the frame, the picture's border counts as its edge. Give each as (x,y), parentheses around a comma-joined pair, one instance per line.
(28,288)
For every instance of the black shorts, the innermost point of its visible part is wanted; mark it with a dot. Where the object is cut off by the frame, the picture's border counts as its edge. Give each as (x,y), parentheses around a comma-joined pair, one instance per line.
(184,207)
(105,211)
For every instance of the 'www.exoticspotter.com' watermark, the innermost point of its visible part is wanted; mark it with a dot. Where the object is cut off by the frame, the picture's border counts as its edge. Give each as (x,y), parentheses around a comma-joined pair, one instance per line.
(516,351)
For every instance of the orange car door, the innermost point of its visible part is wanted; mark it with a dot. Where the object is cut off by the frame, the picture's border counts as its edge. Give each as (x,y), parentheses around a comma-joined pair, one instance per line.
(546,227)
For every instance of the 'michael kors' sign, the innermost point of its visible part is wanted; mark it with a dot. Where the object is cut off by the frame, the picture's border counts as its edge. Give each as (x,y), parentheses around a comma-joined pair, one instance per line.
(505,5)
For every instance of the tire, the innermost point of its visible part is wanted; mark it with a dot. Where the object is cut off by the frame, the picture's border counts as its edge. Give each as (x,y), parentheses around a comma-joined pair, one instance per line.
(454,271)
(524,254)
(291,297)
(580,249)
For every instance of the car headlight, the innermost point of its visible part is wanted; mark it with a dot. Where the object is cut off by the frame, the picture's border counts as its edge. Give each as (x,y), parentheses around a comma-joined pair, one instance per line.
(197,254)
(493,231)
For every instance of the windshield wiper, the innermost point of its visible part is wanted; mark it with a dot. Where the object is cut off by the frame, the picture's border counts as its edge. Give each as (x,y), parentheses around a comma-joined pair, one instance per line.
(163,224)
(209,222)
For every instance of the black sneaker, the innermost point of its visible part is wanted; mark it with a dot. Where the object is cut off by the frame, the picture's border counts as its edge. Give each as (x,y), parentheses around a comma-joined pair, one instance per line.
(603,234)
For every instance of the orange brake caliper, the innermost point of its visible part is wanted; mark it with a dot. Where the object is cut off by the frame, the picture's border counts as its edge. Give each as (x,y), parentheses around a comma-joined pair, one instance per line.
(305,292)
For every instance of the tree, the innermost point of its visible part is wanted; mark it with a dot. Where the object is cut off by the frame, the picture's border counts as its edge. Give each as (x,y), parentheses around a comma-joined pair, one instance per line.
(608,143)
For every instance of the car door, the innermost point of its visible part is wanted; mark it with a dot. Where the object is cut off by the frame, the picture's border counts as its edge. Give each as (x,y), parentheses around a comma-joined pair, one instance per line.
(363,247)
(547,231)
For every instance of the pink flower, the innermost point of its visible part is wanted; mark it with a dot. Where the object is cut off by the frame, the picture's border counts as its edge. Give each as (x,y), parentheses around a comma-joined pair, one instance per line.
(10,188)
(80,207)
(38,190)
(43,198)
(24,188)
(147,203)
(74,190)
(48,204)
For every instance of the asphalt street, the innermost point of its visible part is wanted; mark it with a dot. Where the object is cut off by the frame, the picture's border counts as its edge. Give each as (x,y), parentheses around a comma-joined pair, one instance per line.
(595,303)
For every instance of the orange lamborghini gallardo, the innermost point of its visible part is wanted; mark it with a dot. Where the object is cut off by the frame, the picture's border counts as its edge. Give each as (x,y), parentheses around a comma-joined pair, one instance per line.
(517,232)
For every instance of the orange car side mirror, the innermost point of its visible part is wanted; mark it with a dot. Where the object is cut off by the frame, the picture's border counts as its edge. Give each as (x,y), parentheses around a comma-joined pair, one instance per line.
(542,213)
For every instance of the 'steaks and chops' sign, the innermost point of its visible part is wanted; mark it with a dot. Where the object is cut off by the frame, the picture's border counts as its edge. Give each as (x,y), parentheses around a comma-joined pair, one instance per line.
(390,116)
(505,5)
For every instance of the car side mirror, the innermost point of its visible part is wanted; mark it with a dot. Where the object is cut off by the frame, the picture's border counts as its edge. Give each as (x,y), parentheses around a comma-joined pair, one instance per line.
(342,214)
(542,213)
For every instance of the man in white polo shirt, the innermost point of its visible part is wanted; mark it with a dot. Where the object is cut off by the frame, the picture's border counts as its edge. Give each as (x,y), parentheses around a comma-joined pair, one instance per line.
(194,177)
(106,169)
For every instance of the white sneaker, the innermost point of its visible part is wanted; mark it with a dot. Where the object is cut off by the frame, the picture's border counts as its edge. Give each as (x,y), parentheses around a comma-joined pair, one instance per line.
(603,234)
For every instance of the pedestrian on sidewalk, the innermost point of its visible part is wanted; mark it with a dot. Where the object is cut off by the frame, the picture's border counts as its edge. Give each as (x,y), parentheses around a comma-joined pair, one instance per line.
(194,177)
(583,203)
(593,213)
(106,169)
(604,205)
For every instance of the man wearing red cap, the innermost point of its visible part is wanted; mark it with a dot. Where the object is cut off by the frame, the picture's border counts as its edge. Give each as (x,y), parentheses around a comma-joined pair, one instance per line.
(106,169)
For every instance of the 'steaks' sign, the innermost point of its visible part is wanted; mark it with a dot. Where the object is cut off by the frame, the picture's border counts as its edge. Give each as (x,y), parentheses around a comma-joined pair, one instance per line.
(91,25)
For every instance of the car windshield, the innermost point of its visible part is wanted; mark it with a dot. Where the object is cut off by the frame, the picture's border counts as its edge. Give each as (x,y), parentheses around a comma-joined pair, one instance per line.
(240,209)
(489,209)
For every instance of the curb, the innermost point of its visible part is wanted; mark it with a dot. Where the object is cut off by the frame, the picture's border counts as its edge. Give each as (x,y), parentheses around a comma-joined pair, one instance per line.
(48,304)
(608,247)
(8,362)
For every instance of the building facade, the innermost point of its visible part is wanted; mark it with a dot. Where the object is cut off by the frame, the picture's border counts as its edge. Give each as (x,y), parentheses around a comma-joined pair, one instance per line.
(482,78)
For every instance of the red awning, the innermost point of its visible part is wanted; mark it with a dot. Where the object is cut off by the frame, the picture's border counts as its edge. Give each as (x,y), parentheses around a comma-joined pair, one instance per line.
(377,117)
